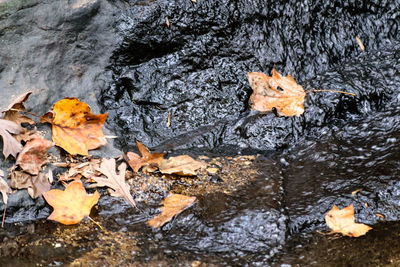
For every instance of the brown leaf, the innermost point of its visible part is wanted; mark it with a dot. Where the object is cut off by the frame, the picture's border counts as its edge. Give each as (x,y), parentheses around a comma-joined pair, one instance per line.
(75,128)
(173,205)
(34,155)
(5,190)
(10,145)
(12,112)
(77,170)
(343,221)
(136,162)
(36,184)
(114,181)
(71,205)
(276,91)
(181,165)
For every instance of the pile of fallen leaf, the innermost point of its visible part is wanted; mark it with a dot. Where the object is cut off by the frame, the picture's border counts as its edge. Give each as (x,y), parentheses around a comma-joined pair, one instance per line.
(76,131)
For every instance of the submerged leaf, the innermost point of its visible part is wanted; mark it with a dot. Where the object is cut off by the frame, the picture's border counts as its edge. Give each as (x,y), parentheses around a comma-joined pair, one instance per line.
(71,205)
(343,221)
(173,205)
(181,165)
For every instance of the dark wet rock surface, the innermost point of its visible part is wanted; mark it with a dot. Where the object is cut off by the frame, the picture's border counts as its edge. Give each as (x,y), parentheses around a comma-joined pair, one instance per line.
(255,212)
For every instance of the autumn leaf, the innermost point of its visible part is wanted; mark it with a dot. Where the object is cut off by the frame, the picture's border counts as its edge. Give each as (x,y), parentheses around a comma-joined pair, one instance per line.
(343,221)
(34,155)
(181,165)
(148,158)
(35,184)
(75,128)
(173,205)
(12,113)
(77,170)
(4,188)
(114,181)
(10,145)
(71,205)
(276,91)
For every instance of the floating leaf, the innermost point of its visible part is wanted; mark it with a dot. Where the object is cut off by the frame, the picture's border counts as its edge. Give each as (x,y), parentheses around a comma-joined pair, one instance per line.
(10,145)
(173,205)
(343,221)
(71,205)
(115,181)
(75,128)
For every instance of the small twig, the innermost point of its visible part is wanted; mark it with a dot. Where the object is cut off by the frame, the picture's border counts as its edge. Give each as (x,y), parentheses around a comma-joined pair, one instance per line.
(4,216)
(96,223)
(335,91)
(30,113)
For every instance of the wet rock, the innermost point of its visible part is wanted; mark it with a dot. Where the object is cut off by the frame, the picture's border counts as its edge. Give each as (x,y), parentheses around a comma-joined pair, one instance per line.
(195,69)
(361,155)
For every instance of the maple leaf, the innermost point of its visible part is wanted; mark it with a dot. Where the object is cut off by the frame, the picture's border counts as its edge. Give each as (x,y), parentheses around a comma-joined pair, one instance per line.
(4,188)
(10,145)
(34,155)
(75,128)
(276,91)
(181,165)
(71,205)
(114,181)
(12,113)
(136,162)
(173,205)
(343,221)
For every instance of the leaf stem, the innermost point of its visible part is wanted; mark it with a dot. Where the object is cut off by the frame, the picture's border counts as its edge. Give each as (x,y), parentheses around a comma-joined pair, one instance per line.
(96,223)
(335,91)
(27,112)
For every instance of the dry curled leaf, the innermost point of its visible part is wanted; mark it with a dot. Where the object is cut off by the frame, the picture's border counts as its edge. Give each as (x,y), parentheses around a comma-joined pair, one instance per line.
(77,170)
(343,221)
(114,181)
(173,205)
(71,205)
(180,165)
(5,190)
(12,113)
(276,91)
(75,128)
(148,158)
(34,155)
(35,184)
(10,145)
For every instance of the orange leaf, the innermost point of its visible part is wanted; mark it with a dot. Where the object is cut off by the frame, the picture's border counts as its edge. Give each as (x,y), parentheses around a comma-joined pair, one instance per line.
(173,205)
(34,155)
(75,128)
(72,204)
(343,221)
(276,91)
(136,162)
